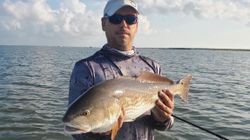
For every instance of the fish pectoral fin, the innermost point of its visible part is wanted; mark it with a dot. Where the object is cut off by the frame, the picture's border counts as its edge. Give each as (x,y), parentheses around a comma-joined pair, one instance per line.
(117,125)
(121,118)
(152,77)
(114,131)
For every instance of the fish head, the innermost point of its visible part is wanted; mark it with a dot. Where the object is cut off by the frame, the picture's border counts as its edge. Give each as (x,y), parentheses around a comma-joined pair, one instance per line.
(91,115)
(77,121)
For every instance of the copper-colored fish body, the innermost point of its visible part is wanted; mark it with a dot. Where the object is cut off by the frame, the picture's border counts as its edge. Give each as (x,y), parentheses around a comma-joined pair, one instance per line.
(99,108)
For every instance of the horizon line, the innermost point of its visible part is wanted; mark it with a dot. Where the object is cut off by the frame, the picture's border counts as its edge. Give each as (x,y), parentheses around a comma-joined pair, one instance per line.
(174,48)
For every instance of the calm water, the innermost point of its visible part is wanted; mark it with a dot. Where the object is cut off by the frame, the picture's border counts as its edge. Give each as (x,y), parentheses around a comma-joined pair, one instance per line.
(34,89)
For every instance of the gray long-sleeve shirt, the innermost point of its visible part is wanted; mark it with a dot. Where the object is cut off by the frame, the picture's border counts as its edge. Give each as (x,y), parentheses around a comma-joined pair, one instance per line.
(108,63)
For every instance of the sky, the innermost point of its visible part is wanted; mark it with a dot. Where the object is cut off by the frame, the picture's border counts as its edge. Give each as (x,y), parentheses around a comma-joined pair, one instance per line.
(223,24)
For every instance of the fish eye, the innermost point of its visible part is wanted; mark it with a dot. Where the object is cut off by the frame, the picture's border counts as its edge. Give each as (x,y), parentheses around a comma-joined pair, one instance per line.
(86,113)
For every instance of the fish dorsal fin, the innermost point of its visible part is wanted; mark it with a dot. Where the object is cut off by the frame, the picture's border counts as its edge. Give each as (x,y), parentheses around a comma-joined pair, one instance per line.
(155,78)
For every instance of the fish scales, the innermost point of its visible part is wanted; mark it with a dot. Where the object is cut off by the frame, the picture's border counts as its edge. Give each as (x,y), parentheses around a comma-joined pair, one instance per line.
(99,108)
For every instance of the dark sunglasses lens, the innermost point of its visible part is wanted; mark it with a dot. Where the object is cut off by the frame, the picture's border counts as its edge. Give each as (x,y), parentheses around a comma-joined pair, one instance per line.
(117,19)
(131,19)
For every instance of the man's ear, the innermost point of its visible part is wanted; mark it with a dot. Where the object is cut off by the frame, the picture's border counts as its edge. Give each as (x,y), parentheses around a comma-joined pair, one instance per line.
(104,24)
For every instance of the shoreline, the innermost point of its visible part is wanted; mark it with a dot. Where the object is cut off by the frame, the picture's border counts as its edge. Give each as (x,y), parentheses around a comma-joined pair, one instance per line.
(219,49)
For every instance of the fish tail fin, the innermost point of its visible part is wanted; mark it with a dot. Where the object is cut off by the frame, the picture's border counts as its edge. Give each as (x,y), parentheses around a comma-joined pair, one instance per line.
(185,85)
(184,96)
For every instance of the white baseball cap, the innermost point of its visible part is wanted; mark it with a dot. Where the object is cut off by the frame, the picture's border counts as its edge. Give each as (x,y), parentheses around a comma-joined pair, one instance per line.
(113,5)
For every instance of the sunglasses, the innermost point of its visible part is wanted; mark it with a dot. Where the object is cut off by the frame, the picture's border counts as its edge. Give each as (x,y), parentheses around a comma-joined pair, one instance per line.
(117,19)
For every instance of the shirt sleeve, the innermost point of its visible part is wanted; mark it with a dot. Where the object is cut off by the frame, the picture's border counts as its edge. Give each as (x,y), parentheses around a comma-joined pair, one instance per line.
(80,80)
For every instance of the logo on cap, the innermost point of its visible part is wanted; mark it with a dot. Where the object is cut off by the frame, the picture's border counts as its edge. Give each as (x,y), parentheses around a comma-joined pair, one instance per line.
(132,3)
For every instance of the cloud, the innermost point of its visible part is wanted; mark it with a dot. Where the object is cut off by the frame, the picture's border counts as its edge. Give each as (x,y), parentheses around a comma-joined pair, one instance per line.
(36,11)
(75,21)
(144,26)
(223,9)
(36,19)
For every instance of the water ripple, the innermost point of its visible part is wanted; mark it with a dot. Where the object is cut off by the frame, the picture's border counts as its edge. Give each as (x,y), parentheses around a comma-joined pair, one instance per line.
(34,89)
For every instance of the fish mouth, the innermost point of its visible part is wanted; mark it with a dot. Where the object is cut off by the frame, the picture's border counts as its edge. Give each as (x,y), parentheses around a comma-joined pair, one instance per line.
(70,129)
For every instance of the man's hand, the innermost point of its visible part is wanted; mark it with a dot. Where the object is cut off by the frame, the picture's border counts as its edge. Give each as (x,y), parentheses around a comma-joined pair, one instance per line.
(164,106)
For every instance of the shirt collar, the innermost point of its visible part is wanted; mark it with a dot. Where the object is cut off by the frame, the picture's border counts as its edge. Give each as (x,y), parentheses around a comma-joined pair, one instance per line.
(130,53)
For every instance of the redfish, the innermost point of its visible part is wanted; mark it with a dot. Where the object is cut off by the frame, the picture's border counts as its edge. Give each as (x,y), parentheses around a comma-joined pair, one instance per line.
(99,108)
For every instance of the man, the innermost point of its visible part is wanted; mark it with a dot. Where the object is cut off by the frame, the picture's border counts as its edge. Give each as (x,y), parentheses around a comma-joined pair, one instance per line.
(119,58)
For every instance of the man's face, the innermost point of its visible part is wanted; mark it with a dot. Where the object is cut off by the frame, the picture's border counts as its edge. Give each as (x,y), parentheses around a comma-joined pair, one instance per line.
(120,36)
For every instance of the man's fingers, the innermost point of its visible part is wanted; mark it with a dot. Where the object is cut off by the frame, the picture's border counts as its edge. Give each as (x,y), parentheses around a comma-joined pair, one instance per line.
(169,94)
(162,107)
(164,97)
